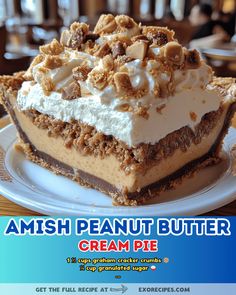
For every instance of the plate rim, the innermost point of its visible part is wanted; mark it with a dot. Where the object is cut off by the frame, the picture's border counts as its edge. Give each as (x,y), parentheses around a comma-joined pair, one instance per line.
(32,204)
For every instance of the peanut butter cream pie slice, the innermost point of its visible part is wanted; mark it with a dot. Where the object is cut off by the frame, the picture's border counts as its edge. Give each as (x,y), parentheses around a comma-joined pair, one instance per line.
(124,109)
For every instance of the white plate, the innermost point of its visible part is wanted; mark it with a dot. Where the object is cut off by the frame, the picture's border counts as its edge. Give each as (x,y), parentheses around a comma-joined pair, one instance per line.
(38,189)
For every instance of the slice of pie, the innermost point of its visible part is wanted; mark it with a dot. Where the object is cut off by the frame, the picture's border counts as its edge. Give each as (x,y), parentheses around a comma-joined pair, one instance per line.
(124,109)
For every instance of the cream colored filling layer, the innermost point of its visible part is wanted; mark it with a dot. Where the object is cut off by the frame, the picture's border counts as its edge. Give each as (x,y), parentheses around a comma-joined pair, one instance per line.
(108,169)
(125,126)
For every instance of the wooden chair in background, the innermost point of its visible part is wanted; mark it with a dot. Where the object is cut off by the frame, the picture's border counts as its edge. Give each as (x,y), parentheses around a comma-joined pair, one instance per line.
(9,66)
(15,63)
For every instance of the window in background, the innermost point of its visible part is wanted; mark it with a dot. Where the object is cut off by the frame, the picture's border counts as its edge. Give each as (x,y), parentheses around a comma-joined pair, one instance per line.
(118,6)
(33,10)
(145,8)
(160,8)
(111,5)
(74,10)
(68,11)
(64,11)
(177,8)
(10,7)
(122,6)
(3,12)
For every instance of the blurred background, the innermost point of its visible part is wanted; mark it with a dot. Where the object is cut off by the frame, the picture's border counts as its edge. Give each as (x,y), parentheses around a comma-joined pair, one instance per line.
(209,26)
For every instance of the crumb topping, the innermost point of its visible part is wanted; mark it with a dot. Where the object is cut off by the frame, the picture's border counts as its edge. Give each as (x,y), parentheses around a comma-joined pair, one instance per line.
(192,59)
(98,78)
(108,63)
(138,49)
(173,53)
(52,62)
(223,85)
(160,108)
(71,92)
(193,116)
(80,73)
(53,48)
(158,35)
(103,50)
(111,47)
(122,83)
(118,49)
(105,24)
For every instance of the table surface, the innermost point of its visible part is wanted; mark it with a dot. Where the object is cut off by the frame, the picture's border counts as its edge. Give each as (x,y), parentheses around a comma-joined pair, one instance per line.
(9,208)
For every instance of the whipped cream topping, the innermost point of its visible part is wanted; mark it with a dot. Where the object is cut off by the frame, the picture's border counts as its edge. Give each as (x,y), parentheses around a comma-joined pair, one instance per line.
(115,36)
(125,126)
(164,85)
(192,78)
(140,76)
(62,76)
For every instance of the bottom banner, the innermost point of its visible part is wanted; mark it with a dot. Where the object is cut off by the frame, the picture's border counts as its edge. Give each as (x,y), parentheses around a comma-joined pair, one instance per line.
(128,289)
(117,255)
